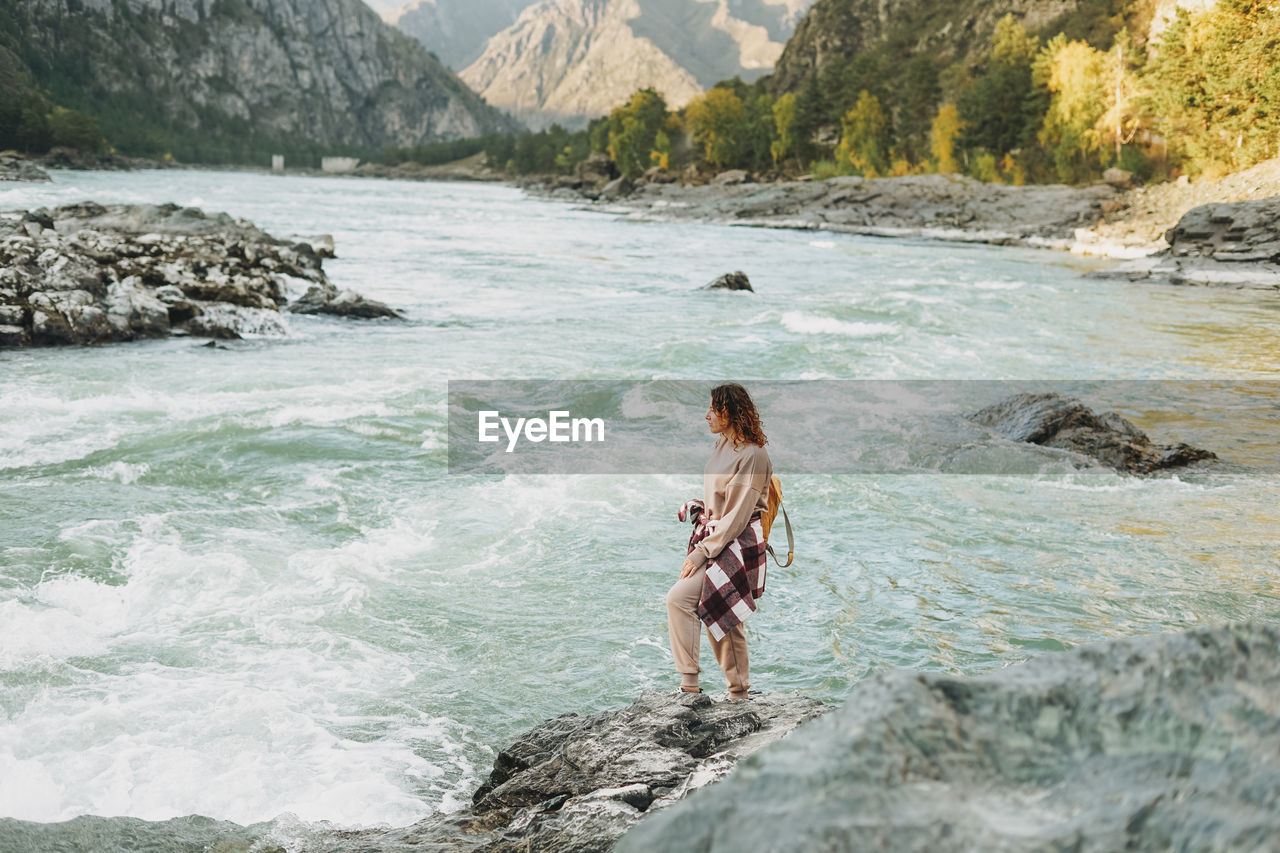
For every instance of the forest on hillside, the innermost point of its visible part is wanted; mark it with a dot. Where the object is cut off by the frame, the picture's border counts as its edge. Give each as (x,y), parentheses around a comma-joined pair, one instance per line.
(1203,100)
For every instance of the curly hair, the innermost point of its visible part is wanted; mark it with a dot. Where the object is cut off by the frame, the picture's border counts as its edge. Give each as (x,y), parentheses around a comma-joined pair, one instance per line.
(732,402)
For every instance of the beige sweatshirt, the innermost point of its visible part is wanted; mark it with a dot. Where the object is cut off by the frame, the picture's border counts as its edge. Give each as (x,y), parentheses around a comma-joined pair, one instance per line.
(735,484)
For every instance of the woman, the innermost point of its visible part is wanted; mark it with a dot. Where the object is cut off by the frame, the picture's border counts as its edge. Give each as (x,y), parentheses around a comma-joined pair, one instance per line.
(724,570)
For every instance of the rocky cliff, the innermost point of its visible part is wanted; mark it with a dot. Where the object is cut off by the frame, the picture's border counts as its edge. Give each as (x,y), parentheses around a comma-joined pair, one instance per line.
(456,31)
(944,30)
(328,71)
(570,60)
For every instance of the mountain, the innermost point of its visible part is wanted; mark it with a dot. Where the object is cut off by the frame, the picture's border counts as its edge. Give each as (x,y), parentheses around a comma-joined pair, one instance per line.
(946,31)
(571,60)
(456,31)
(226,78)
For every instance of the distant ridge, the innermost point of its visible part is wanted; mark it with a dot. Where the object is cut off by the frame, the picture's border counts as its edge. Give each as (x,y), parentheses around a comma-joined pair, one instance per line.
(571,60)
(224,76)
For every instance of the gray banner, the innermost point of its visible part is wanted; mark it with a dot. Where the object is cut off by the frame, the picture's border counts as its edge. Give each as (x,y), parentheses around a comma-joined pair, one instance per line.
(870,426)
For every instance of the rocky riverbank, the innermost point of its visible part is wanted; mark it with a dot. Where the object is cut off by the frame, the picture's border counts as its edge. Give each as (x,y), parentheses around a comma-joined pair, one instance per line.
(1210,231)
(88,273)
(945,207)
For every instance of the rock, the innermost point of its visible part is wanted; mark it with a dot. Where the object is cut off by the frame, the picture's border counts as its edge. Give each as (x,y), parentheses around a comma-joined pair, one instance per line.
(596,169)
(1162,742)
(322,246)
(1237,231)
(89,273)
(232,322)
(1055,420)
(134,311)
(346,303)
(15,168)
(730,177)
(13,336)
(1224,243)
(67,317)
(577,783)
(731,281)
(617,188)
(1118,178)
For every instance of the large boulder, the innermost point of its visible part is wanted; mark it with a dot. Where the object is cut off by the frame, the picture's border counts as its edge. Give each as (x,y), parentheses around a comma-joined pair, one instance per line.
(1164,742)
(1056,420)
(1234,244)
(736,280)
(1235,231)
(574,783)
(343,303)
(15,168)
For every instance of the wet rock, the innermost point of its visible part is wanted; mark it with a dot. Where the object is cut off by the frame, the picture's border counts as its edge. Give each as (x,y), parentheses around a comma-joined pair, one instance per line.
(345,303)
(133,311)
(67,317)
(1056,420)
(736,280)
(15,168)
(1162,742)
(13,336)
(577,783)
(321,246)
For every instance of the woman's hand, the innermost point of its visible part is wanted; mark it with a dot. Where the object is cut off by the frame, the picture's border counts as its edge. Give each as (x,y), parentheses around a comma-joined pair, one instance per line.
(688,568)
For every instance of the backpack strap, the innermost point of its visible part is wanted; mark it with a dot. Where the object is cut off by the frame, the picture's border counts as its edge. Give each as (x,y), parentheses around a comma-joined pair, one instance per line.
(791,542)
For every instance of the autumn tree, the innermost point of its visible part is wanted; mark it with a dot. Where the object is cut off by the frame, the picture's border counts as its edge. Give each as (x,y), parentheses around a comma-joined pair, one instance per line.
(943,132)
(1074,75)
(715,121)
(864,138)
(633,129)
(784,118)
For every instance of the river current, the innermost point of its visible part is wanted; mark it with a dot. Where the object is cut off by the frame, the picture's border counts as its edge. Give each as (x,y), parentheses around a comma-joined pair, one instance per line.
(240,582)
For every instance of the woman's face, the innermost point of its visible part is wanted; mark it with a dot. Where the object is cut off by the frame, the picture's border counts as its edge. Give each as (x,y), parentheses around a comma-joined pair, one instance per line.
(716,421)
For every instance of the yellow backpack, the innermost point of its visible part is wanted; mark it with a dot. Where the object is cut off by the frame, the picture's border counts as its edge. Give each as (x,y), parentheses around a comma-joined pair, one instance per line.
(767,518)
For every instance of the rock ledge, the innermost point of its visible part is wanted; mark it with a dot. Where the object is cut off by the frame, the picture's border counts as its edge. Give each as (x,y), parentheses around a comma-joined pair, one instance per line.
(1165,742)
(577,783)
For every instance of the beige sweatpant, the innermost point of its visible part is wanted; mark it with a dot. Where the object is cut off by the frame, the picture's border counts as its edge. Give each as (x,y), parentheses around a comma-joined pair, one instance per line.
(685,629)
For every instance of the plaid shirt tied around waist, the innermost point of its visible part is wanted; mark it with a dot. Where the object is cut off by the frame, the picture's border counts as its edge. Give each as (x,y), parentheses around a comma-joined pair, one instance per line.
(735,576)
